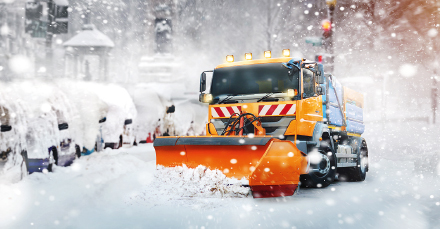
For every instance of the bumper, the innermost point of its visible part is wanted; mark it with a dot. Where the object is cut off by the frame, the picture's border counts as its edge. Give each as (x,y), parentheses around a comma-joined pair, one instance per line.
(37,165)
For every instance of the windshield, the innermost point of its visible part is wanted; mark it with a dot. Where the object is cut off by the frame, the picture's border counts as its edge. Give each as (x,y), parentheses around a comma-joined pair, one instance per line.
(253,79)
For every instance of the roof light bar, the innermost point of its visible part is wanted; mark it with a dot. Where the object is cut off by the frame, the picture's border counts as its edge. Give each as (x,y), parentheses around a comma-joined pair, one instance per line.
(230,58)
(267,54)
(248,56)
(286,52)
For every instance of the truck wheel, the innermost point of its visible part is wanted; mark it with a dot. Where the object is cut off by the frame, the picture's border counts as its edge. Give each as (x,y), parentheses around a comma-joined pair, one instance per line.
(322,174)
(359,172)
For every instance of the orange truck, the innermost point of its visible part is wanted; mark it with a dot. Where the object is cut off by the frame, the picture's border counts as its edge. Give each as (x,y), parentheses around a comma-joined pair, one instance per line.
(275,124)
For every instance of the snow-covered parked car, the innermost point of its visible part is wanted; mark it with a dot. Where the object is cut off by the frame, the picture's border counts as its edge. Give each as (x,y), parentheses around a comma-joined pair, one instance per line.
(117,130)
(151,108)
(51,127)
(105,114)
(13,163)
(190,118)
(41,127)
(161,114)
(91,113)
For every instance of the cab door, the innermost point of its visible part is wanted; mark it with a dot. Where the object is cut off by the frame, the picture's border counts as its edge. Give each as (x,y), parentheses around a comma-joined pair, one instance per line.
(310,106)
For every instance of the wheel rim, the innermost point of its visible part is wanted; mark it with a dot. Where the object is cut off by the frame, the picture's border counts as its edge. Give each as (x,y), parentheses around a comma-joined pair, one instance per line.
(363,164)
(323,166)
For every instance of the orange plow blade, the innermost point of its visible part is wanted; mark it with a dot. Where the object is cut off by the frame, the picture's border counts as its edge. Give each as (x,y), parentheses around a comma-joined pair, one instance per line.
(271,166)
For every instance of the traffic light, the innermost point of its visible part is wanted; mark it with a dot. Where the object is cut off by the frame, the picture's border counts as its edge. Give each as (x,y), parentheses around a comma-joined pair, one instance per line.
(61,19)
(319,59)
(326,25)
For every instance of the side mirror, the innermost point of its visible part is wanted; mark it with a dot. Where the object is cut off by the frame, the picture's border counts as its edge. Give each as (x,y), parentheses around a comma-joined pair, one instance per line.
(320,73)
(202,82)
(5,128)
(171,109)
(320,90)
(63,126)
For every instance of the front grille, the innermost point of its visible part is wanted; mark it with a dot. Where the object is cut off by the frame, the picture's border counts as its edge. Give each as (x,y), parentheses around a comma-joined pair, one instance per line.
(262,119)
(270,130)
(274,125)
(271,119)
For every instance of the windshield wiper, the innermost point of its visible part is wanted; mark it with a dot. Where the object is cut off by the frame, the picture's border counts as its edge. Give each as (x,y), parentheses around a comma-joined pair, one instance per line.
(228,97)
(267,95)
(264,97)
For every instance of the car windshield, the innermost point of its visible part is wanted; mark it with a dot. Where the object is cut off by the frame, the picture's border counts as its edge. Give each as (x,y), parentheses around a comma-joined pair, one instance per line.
(253,79)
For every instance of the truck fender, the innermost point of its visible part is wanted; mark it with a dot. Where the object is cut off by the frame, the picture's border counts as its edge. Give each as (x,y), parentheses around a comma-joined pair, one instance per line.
(320,128)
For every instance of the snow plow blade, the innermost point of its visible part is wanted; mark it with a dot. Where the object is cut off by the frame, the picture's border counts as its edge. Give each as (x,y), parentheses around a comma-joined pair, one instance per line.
(271,166)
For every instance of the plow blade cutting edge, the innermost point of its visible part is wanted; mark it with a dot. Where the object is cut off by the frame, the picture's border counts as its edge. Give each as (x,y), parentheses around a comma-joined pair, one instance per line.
(271,166)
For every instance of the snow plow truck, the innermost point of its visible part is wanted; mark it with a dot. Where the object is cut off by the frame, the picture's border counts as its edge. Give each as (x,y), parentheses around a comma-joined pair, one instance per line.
(275,123)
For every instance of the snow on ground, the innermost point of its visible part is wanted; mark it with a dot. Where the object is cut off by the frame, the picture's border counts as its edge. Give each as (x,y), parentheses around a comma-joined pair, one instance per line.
(122,189)
(201,181)
(402,140)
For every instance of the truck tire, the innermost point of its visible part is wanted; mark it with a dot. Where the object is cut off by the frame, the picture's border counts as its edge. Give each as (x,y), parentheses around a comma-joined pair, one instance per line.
(327,171)
(359,172)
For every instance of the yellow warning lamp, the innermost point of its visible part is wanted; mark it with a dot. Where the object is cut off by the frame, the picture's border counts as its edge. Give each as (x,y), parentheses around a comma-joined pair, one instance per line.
(286,52)
(248,56)
(267,54)
(230,58)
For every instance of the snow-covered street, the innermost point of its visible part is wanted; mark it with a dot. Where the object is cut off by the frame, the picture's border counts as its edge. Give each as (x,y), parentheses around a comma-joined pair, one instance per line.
(249,104)
(118,189)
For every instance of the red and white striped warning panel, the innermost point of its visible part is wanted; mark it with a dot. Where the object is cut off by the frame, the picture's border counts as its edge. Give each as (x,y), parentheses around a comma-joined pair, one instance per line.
(224,112)
(281,109)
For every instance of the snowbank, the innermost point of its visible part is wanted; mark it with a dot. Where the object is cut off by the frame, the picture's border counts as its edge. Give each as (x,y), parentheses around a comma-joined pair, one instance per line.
(201,181)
